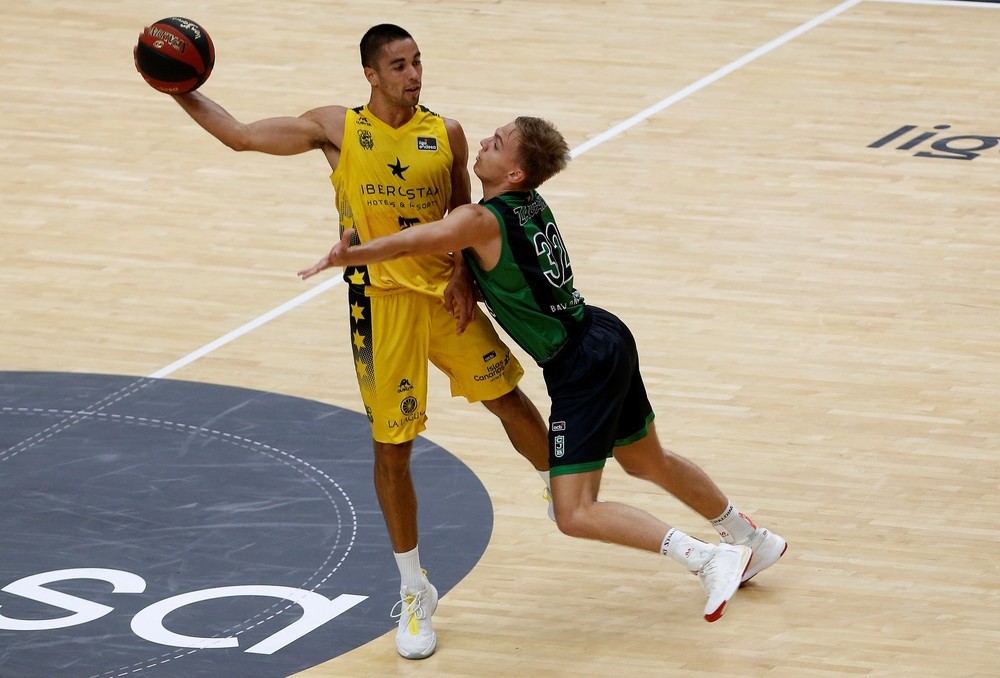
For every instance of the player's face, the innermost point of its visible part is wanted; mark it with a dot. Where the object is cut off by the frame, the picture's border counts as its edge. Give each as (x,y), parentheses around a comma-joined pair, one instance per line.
(497,155)
(398,73)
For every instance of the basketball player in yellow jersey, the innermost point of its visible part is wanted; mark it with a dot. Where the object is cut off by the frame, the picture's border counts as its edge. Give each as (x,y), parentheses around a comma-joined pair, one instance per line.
(396,165)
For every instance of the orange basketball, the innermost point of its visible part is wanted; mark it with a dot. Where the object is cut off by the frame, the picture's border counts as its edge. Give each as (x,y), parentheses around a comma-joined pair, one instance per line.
(174,55)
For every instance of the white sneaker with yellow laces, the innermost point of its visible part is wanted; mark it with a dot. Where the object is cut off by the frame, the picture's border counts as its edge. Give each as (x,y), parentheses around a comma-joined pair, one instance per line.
(415,637)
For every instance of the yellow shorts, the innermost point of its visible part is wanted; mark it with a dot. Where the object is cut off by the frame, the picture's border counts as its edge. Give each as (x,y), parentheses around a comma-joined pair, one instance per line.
(395,334)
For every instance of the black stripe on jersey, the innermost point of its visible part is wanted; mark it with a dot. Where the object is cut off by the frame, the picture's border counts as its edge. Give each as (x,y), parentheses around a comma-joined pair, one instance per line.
(523,250)
(526,256)
(423,108)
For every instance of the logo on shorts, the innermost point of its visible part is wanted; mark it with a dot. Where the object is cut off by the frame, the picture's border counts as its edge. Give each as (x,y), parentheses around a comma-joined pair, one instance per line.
(427,144)
(404,385)
(560,446)
(489,356)
(408,406)
(559,426)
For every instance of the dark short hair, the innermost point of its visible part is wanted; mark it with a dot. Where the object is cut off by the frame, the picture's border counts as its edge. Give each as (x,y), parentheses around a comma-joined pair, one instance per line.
(377,37)
(542,150)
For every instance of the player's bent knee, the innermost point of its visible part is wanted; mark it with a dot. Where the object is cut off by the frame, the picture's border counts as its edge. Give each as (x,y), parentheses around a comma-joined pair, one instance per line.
(506,404)
(573,523)
(640,471)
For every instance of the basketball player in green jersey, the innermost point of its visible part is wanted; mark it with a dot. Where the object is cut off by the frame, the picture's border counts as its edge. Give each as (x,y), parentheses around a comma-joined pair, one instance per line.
(588,358)
(396,165)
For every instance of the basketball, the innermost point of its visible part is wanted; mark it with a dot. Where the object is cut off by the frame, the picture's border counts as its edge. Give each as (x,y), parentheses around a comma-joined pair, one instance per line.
(174,55)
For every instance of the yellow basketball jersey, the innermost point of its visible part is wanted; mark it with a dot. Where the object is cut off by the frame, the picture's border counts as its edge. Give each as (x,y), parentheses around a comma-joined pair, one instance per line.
(390,179)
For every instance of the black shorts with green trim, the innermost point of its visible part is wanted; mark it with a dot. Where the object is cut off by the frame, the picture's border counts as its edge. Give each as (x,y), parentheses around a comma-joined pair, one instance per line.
(598,399)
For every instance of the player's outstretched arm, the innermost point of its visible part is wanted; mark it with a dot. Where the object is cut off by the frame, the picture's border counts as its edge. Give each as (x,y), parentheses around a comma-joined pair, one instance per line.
(468,226)
(276,136)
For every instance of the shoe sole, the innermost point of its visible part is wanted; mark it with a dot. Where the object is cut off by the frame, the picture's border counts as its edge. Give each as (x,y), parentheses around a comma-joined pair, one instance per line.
(421,655)
(758,565)
(719,611)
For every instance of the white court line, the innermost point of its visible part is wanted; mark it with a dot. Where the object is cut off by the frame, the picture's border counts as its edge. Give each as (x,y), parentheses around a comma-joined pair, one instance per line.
(249,327)
(709,79)
(579,150)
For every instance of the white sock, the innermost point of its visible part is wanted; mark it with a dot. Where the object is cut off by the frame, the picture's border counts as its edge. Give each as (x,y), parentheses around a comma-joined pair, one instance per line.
(733,526)
(690,552)
(544,475)
(410,575)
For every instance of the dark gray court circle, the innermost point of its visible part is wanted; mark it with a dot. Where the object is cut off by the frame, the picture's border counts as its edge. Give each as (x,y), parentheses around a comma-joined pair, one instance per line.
(211,508)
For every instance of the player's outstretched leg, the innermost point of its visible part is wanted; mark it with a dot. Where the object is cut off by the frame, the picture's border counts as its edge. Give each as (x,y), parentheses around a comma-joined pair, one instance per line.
(688,482)
(527,433)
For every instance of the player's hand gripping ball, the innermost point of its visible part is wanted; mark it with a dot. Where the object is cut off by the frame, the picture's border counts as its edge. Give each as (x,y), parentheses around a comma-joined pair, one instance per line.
(174,55)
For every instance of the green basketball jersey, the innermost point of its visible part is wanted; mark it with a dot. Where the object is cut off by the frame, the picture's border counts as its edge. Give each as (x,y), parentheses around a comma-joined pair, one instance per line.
(530,290)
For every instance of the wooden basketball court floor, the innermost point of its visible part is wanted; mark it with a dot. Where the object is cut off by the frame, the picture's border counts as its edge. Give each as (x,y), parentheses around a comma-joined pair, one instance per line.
(817,313)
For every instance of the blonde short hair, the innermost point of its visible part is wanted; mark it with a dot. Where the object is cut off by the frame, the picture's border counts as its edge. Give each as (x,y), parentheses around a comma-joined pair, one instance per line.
(542,150)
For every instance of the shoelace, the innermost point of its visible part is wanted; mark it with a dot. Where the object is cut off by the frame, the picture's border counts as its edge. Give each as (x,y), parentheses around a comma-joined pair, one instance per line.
(414,607)
(705,574)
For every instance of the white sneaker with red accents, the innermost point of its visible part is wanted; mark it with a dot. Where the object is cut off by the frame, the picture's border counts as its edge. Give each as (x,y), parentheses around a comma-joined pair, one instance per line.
(767,549)
(720,577)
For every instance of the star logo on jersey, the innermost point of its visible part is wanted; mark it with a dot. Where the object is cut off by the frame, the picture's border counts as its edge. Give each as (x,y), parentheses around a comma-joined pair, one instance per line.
(358,277)
(361,368)
(398,169)
(357,313)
